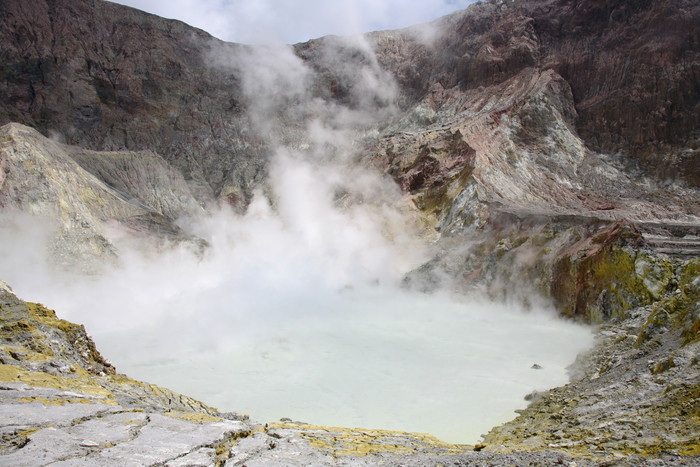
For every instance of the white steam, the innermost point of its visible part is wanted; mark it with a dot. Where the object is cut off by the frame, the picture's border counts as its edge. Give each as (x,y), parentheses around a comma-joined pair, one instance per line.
(296,312)
(302,317)
(295,309)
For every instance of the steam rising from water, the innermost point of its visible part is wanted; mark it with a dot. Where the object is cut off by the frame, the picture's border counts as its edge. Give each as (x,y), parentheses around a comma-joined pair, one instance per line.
(303,318)
(295,310)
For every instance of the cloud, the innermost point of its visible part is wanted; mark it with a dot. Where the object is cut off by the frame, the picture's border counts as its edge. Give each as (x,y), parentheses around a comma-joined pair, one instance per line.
(255,21)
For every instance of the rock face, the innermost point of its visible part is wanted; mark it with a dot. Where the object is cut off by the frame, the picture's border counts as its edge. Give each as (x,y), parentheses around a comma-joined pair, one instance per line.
(521,200)
(111,78)
(505,113)
(46,179)
(631,68)
(107,77)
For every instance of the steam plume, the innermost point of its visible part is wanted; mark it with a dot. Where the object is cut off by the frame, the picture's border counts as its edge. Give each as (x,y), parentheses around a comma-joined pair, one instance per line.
(295,310)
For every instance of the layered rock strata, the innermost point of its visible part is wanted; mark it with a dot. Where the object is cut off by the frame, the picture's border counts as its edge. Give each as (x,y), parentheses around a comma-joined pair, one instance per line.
(63,403)
(82,194)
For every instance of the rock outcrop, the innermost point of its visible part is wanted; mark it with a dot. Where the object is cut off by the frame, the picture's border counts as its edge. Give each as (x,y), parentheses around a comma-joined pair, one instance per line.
(82,192)
(62,402)
(110,78)
(637,392)
(631,68)
(521,202)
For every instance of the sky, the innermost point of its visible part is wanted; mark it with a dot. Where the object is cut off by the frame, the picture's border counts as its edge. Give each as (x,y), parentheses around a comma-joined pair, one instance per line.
(292,21)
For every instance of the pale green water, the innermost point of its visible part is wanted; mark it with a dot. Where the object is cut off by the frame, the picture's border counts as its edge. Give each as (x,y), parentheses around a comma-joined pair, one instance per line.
(396,360)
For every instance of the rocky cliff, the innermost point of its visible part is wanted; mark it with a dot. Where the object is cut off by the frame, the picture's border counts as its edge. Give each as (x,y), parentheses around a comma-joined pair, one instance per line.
(574,114)
(108,77)
(550,145)
(81,193)
(632,69)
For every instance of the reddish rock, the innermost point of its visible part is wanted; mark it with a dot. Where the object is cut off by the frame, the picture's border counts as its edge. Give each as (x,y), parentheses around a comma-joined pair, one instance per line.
(596,276)
(633,68)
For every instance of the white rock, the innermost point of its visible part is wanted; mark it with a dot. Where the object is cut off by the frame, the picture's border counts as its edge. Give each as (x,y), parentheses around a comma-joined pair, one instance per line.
(164,439)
